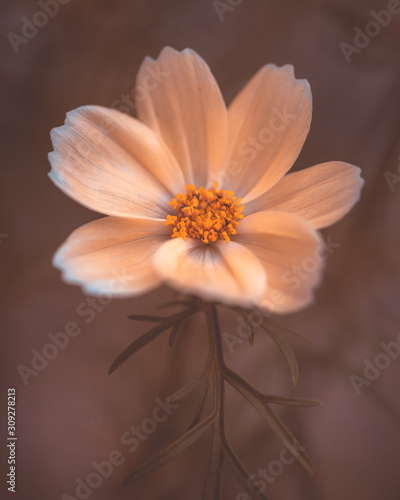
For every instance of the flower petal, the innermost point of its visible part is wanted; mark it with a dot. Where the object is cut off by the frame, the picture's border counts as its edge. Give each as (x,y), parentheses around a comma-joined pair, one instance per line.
(112,255)
(178,97)
(322,194)
(112,163)
(268,123)
(224,271)
(290,252)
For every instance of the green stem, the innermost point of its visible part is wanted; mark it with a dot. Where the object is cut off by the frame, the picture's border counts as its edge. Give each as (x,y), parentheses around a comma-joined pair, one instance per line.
(216,363)
(217,359)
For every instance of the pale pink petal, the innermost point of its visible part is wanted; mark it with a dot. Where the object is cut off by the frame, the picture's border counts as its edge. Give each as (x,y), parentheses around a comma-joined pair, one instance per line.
(178,97)
(268,123)
(223,271)
(291,254)
(112,255)
(322,194)
(112,163)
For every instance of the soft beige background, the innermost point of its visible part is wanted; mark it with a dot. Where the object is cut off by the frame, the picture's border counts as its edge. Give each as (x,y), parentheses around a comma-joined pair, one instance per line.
(73,413)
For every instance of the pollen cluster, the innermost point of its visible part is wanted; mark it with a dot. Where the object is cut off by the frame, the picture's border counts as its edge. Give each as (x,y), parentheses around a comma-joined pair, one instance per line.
(205,214)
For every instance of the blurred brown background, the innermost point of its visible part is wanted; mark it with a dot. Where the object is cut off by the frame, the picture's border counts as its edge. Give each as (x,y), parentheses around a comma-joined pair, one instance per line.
(72,413)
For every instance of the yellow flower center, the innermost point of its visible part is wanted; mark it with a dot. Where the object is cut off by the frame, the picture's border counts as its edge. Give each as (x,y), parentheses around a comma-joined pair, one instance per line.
(206,214)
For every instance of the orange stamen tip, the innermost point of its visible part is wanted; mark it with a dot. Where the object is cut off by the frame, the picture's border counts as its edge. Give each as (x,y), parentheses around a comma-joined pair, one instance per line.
(208,215)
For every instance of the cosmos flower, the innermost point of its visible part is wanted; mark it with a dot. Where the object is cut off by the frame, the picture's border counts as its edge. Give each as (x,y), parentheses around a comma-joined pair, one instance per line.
(196,194)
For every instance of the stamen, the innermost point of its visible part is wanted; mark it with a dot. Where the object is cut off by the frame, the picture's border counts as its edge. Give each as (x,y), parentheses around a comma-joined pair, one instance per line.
(208,215)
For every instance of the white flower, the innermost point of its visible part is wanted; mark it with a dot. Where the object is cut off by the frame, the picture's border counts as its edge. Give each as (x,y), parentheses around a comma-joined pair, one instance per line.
(193,238)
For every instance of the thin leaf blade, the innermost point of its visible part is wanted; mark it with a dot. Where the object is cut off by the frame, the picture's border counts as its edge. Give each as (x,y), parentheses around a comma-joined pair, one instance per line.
(280,400)
(242,475)
(287,352)
(145,317)
(287,329)
(200,406)
(280,429)
(188,388)
(172,450)
(147,337)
